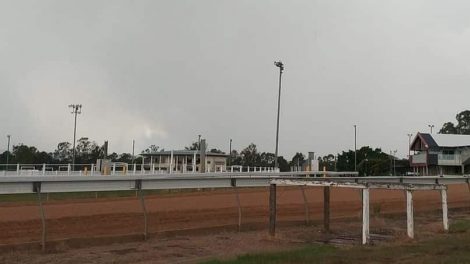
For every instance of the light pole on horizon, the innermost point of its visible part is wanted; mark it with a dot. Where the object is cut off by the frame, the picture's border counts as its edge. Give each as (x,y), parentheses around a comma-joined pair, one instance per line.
(409,145)
(355,148)
(230,153)
(133,147)
(280,65)
(76,109)
(394,162)
(8,151)
(431,127)
(199,142)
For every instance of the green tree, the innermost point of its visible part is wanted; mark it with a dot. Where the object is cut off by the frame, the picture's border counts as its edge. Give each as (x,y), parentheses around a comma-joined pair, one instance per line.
(151,149)
(24,154)
(267,159)
(462,126)
(87,151)
(214,150)
(327,162)
(63,153)
(463,122)
(193,146)
(124,157)
(283,164)
(369,161)
(448,128)
(297,160)
(250,156)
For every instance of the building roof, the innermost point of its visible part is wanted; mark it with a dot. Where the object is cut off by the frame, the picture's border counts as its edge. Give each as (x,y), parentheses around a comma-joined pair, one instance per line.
(183,153)
(451,140)
(435,141)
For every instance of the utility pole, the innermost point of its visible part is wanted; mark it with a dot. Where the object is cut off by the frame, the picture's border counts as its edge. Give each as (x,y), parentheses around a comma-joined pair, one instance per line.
(280,65)
(8,151)
(355,148)
(76,109)
(199,142)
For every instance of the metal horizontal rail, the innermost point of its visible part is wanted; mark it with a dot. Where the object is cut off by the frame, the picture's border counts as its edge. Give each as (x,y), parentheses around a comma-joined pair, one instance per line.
(52,184)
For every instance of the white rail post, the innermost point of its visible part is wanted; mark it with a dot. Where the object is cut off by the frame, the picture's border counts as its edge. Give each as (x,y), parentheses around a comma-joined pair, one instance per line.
(44,169)
(114,168)
(445,220)
(68,169)
(135,168)
(17,169)
(365,216)
(409,214)
(92,169)
(231,168)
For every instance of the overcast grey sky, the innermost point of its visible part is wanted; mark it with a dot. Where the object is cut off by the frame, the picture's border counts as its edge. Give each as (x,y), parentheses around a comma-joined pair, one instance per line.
(162,72)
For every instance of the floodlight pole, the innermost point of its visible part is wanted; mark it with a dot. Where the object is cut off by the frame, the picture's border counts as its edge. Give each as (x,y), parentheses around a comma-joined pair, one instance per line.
(230,153)
(409,145)
(133,147)
(280,65)
(355,148)
(76,109)
(8,151)
(431,127)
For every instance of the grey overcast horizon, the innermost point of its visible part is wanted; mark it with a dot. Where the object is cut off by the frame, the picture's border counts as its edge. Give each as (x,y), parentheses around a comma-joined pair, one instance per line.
(163,72)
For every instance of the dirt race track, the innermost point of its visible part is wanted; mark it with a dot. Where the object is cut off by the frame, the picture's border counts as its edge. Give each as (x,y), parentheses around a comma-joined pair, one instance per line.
(20,222)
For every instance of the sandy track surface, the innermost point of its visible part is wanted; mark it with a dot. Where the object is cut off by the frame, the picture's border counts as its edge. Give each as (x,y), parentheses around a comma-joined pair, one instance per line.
(20,223)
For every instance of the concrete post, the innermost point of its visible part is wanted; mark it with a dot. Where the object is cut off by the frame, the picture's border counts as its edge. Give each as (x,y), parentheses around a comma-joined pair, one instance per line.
(365,216)
(409,214)
(326,208)
(272,210)
(445,220)
(307,212)
(202,155)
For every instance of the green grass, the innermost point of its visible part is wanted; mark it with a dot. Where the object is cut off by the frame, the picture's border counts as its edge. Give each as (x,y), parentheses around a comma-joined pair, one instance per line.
(443,248)
(304,255)
(460,226)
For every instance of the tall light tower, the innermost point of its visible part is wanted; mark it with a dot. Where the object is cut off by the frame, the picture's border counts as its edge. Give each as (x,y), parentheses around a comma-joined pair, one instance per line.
(230,153)
(431,127)
(76,109)
(280,65)
(199,142)
(355,148)
(409,145)
(133,148)
(8,151)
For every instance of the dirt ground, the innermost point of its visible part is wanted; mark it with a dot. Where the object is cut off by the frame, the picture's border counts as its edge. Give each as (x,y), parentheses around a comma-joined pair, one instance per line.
(173,217)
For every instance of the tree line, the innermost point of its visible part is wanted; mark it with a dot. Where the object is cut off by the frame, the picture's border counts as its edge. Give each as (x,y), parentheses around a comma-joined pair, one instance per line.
(369,161)
(461,127)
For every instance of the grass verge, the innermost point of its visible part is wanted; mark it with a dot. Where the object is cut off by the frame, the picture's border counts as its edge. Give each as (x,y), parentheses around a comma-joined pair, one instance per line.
(443,248)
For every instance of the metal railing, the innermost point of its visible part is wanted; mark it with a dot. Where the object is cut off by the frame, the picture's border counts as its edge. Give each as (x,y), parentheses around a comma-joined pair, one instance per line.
(116,168)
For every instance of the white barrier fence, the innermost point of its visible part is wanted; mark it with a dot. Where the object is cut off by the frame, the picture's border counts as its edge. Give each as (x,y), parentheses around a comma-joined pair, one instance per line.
(324,179)
(116,168)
